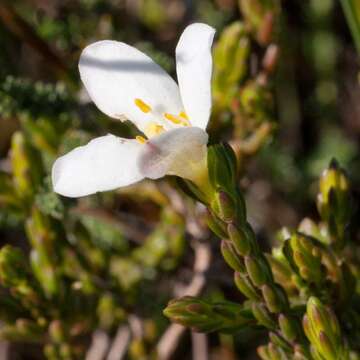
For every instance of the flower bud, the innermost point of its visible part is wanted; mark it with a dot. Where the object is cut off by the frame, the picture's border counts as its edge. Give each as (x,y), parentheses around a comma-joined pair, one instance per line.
(231,257)
(263,352)
(244,284)
(323,331)
(274,298)
(279,342)
(222,166)
(334,201)
(263,316)
(258,270)
(216,225)
(276,353)
(206,316)
(306,256)
(288,327)
(224,206)
(239,239)
(334,178)
(283,274)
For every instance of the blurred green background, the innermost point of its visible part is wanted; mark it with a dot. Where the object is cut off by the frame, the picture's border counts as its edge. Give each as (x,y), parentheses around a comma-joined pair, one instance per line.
(80,277)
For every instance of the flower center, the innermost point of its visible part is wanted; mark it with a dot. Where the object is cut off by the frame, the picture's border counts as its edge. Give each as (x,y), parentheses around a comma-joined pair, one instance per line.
(154,128)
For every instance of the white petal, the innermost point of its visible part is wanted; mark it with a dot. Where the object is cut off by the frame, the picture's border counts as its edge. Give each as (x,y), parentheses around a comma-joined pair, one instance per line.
(105,163)
(115,74)
(178,152)
(194,70)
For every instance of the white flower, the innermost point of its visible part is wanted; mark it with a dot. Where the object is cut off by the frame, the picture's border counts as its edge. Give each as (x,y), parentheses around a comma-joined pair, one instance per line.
(124,83)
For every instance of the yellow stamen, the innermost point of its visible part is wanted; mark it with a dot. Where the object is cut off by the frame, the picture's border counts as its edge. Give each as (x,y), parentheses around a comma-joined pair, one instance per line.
(174,119)
(145,108)
(179,120)
(154,129)
(140,139)
(183,115)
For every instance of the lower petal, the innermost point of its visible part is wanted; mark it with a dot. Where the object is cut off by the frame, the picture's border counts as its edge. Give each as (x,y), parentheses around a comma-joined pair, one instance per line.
(180,152)
(105,163)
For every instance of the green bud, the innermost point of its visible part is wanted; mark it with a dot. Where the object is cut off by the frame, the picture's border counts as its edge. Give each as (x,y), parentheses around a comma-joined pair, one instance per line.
(205,316)
(279,341)
(274,298)
(334,202)
(216,225)
(301,352)
(315,354)
(283,274)
(244,284)
(239,239)
(307,257)
(231,257)
(263,316)
(264,353)
(222,166)
(326,346)
(289,327)
(334,178)
(224,206)
(276,352)
(258,270)
(323,331)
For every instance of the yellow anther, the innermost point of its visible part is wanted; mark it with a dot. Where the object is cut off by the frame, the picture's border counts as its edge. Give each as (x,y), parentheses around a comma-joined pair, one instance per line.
(154,129)
(183,115)
(173,118)
(145,108)
(179,120)
(140,139)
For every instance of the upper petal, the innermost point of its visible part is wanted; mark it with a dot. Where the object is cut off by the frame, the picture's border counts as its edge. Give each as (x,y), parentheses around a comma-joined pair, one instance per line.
(175,152)
(105,163)
(194,70)
(115,74)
